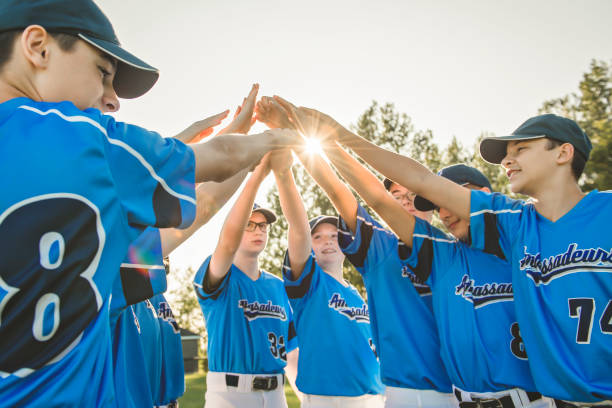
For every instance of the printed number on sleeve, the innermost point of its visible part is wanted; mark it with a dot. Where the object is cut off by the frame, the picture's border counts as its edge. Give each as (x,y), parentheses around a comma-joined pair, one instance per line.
(584,310)
(47,292)
(277,346)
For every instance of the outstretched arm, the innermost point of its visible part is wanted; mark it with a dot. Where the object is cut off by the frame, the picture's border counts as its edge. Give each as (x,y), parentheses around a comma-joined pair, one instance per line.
(233,228)
(298,234)
(200,129)
(223,156)
(212,196)
(373,192)
(401,169)
(273,114)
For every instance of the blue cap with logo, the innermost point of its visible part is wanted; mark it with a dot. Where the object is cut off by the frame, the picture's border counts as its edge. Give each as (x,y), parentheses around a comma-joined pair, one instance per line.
(493,149)
(461,174)
(85,20)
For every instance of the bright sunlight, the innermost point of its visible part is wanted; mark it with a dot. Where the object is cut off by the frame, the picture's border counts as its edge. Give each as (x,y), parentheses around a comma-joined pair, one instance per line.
(313,146)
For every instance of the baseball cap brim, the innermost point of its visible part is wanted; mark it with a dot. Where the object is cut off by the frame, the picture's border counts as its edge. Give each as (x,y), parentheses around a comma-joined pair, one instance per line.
(493,149)
(329,219)
(134,77)
(268,214)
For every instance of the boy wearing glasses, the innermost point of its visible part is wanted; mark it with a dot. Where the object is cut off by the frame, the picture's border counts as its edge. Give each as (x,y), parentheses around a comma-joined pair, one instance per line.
(247,312)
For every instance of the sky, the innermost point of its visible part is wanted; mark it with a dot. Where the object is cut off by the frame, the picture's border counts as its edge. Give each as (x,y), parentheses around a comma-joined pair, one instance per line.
(456,67)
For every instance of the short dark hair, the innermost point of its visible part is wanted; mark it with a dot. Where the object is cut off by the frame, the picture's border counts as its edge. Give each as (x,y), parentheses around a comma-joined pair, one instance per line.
(7,42)
(578,161)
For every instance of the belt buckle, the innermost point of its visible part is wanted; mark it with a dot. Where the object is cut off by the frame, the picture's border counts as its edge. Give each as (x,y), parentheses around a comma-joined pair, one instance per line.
(265,383)
(490,403)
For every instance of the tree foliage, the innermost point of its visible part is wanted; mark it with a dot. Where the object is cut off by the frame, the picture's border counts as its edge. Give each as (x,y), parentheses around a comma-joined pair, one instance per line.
(590,107)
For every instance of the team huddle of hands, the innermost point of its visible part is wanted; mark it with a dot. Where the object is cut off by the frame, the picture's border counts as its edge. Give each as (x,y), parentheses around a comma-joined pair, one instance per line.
(288,123)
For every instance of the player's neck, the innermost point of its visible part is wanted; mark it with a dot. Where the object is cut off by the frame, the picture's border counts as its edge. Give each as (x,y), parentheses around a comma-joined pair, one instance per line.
(248,264)
(335,271)
(12,87)
(554,200)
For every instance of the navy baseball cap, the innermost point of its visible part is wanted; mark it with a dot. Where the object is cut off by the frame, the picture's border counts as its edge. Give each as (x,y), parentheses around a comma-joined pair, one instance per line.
(83,19)
(268,214)
(460,174)
(493,149)
(388,183)
(322,219)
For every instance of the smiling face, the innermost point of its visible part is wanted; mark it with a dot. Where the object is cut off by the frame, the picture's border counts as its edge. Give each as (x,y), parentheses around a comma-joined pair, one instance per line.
(406,198)
(528,164)
(253,242)
(325,246)
(82,75)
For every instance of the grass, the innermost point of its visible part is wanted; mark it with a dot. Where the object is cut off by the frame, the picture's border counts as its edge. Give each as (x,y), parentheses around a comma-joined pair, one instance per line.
(195,385)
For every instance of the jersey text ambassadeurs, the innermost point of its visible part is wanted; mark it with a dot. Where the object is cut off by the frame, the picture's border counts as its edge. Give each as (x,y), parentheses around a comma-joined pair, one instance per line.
(359,314)
(254,310)
(575,259)
(482,295)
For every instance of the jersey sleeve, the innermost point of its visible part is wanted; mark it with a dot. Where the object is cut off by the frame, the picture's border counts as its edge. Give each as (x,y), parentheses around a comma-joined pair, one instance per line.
(494,220)
(370,245)
(205,297)
(154,176)
(428,243)
(299,289)
(292,336)
(142,274)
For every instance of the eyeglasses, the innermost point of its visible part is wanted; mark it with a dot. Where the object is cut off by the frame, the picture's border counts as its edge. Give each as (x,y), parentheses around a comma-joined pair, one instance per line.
(251,226)
(406,196)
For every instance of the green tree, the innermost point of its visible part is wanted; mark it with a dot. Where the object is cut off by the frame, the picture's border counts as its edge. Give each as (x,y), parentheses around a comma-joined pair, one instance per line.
(590,107)
(184,303)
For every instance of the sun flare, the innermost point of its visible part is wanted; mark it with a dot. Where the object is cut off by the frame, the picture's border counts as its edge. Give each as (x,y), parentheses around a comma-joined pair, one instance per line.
(312,146)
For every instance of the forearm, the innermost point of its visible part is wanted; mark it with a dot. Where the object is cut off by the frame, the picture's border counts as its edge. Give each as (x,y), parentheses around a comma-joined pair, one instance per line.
(210,196)
(225,155)
(340,195)
(298,234)
(233,229)
(410,174)
(373,192)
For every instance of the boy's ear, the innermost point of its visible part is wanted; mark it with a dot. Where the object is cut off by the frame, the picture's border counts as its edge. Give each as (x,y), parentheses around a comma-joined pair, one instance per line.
(34,44)
(565,153)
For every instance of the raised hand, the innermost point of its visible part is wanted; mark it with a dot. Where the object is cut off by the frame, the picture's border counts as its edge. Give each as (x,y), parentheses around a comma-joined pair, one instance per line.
(281,160)
(310,122)
(202,128)
(272,114)
(243,118)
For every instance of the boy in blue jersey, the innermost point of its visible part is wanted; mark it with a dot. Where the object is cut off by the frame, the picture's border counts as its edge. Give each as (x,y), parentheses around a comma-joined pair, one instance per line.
(148,327)
(248,317)
(80,187)
(337,364)
(557,246)
(407,344)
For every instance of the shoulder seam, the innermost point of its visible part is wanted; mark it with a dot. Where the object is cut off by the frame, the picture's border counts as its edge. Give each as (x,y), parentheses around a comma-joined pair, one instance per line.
(119,143)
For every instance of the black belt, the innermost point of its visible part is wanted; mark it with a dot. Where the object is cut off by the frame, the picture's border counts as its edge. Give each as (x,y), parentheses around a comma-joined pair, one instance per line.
(503,402)
(564,404)
(263,383)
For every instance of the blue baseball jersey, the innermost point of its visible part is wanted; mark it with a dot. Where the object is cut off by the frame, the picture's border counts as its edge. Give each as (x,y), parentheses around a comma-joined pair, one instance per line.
(147,348)
(401,315)
(480,340)
(562,279)
(249,323)
(78,188)
(337,353)
(132,385)
(172,380)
